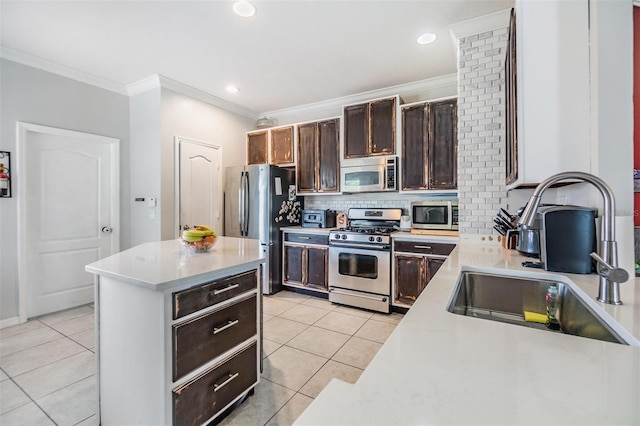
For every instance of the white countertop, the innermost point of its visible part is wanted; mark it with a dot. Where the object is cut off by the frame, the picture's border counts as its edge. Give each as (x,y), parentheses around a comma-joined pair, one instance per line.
(160,265)
(408,236)
(400,235)
(441,368)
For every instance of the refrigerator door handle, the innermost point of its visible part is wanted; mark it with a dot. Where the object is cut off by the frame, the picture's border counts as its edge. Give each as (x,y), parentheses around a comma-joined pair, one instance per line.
(244,204)
(241,206)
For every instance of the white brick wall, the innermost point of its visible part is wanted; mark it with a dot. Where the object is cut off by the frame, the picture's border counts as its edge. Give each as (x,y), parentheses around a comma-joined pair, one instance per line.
(481,131)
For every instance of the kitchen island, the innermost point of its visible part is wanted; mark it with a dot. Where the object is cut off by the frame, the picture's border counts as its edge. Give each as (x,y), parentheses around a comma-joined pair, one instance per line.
(441,368)
(178,333)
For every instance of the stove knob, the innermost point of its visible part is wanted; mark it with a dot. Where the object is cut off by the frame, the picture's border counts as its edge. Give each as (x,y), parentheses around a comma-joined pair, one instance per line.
(344,236)
(379,239)
(372,239)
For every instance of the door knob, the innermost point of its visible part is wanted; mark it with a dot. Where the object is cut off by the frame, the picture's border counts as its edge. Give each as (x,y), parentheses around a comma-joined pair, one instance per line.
(106,229)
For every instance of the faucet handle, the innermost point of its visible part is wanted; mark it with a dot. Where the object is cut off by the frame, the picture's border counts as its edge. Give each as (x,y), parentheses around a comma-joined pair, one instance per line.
(609,272)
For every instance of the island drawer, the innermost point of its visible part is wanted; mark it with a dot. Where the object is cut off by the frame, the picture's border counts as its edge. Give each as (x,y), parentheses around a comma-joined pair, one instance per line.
(201,339)
(198,400)
(293,237)
(192,300)
(426,247)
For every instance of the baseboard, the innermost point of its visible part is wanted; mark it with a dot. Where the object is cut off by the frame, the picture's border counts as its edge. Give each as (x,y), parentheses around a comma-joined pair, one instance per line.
(9,322)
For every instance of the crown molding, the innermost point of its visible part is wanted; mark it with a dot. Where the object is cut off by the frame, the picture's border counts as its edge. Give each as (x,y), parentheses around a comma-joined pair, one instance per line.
(159,81)
(55,68)
(491,21)
(143,85)
(416,89)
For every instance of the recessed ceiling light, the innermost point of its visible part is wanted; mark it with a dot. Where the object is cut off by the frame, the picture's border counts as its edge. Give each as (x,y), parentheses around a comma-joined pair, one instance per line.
(427,38)
(244,9)
(232,89)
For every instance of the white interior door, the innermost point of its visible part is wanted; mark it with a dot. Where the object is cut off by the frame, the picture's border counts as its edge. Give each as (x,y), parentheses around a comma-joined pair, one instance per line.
(199,197)
(68,214)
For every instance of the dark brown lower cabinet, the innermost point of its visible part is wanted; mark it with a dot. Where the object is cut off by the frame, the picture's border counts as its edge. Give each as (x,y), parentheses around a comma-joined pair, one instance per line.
(208,336)
(198,400)
(414,267)
(217,327)
(305,261)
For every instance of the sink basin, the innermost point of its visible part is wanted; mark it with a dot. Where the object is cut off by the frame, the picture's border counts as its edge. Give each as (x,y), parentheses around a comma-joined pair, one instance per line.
(505,298)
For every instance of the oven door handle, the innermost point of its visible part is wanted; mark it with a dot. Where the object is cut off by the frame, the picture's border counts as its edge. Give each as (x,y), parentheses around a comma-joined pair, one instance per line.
(377,299)
(379,247)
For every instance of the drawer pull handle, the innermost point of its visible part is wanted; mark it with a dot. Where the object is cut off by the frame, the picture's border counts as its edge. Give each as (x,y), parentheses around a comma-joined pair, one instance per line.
(304,238)
(227,288)
(217,387)
(224,327)
(423,247)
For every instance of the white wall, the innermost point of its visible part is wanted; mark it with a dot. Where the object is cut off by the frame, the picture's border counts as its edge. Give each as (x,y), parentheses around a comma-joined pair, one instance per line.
(192,119)
(146,171)
(35,96)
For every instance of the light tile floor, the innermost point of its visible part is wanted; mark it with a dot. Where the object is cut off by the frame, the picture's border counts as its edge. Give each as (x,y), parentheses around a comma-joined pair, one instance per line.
(47,370)
(47,365)
(308,341)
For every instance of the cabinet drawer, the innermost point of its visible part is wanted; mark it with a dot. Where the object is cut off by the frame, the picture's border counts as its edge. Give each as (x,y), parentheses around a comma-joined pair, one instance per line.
(307,238)
(192,300)
(197,401)
(201,339)
(425,247)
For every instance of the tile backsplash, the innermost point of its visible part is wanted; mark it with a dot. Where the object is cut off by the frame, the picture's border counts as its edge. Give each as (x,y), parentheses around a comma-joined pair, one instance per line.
(379,200)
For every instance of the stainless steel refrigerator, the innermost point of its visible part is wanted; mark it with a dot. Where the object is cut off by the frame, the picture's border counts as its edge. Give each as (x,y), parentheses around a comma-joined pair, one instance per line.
(258,201)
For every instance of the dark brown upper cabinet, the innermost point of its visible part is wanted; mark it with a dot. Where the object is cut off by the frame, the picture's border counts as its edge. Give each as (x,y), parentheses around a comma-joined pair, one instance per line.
(258,147)
(429,146)
(318,165)
(443,144)
(282,145)
(271,146)
(511,98)
(370,128)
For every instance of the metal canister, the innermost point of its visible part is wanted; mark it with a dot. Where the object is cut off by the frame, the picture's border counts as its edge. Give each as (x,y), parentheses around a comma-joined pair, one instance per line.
(341,220)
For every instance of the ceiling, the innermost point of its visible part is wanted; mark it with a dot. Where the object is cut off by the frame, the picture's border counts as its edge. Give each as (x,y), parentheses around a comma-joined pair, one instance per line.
(290,53)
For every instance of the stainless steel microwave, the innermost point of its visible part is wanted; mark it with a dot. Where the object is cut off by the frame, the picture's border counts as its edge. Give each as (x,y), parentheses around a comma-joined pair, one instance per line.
(371,174)
(441,214)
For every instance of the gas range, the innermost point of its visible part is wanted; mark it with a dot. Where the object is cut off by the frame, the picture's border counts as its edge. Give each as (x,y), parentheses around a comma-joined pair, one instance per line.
(360,259)
(368,226)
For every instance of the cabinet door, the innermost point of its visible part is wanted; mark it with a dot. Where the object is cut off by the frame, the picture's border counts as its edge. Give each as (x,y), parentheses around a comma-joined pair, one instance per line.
(382,127)
(433,264)
(257,147)
(443,145)
(317,267)
(282,145)
(410,277)
(356,130)
(511,116)
(414,146)
(306,167)
(329,155)
(293,264)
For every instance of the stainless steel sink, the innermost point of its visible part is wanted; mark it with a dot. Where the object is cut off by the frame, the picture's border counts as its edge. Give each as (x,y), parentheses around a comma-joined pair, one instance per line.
(505,298)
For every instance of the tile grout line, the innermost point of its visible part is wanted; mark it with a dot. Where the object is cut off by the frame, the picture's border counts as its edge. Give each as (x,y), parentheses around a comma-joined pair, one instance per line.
(30,399)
